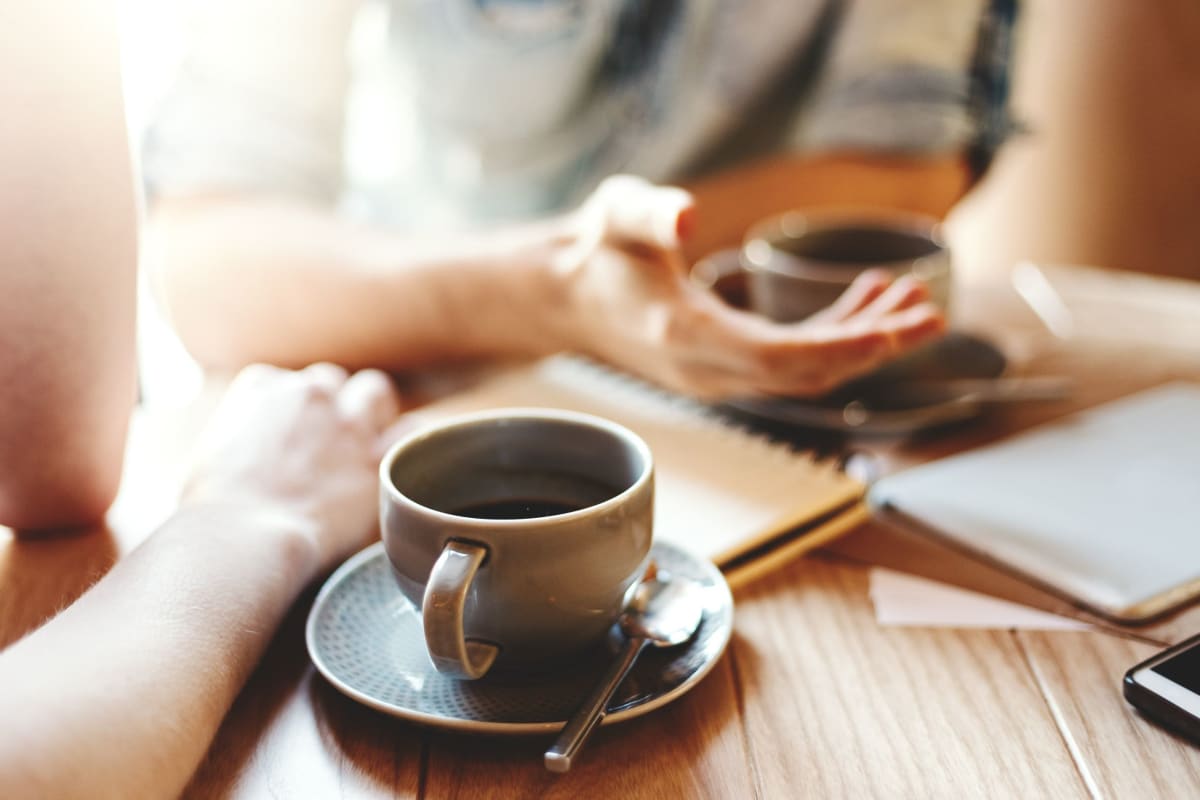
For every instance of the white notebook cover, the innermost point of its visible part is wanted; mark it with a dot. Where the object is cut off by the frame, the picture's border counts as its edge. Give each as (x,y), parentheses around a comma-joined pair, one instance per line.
(1102,506)
(720,491)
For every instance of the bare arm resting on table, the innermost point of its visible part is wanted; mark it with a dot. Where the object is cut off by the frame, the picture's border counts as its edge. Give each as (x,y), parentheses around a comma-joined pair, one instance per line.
(121,694)
(249,279)
(67,265)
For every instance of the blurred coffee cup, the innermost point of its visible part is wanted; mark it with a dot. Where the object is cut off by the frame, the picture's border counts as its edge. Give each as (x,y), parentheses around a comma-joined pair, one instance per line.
(793,265)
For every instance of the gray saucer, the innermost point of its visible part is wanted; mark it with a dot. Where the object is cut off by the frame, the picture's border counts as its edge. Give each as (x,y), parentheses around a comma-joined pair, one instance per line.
(929,388)
(366,639)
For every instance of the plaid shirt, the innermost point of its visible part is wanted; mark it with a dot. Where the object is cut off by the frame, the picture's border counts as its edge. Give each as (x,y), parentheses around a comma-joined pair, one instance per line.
(440,113)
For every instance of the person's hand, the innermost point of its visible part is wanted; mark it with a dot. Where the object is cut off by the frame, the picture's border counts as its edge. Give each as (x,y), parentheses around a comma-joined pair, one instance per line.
(629,302)
(302,445)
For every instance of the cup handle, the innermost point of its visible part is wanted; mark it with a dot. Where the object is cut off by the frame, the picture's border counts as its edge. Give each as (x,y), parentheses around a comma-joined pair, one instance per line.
(442,612)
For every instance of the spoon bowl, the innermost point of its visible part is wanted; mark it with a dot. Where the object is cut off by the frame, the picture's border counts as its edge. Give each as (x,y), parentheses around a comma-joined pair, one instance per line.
(665,611)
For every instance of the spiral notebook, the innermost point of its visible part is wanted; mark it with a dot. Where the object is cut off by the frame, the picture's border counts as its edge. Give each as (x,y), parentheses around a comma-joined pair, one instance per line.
(745,502)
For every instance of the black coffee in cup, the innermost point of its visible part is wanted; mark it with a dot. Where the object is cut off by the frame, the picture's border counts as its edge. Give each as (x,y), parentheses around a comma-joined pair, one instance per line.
(858,246)
(502,493)
(517,508)
(485,489)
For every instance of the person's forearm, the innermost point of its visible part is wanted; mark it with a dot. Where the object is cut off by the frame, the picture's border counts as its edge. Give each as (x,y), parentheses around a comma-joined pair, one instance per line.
(260,280)
(729,202)
(121,694)
(68,260)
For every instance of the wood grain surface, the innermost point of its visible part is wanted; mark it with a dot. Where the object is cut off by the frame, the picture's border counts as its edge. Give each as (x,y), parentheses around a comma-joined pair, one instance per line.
(1118,753)
(837,706)
(813,698)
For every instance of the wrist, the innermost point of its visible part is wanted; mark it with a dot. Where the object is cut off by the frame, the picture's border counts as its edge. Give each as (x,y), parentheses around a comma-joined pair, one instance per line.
(524,304)
(254,530)
(553,260)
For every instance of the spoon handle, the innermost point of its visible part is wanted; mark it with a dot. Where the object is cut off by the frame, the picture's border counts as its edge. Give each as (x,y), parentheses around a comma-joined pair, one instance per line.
(1012,390)
(585,719)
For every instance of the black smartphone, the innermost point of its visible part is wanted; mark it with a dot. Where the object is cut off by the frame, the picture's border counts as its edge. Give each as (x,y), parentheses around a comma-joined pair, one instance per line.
(1166,688)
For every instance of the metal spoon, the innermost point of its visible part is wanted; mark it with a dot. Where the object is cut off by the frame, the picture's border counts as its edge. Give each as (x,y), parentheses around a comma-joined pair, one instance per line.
(913,404)
(665,612)
(1032,388)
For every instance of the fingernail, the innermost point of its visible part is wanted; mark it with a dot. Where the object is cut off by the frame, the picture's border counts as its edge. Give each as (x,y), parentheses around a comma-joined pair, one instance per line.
(685,223)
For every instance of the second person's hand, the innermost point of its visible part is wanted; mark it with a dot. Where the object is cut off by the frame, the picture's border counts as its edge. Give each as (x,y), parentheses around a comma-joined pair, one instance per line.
(630,303)
(303,446)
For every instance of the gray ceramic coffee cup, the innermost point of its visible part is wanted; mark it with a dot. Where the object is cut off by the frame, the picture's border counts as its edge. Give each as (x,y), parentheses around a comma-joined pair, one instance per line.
(519,533)
(798,263)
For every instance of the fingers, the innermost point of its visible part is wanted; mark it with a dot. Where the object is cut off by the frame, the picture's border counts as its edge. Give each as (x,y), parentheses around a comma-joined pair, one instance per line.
(867,340)
(634,209)
(858,346)
(865,289)
(873,295)
(725,352)
(254,375)
(913,326)
(369,396)
(329,377)
(905,292)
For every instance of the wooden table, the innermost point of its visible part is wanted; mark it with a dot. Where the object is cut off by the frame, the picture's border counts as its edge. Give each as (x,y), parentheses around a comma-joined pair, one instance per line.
(813,698)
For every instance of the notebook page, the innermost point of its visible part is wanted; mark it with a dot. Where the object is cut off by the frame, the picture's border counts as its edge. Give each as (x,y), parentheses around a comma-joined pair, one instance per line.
(720,490)
(1099,506)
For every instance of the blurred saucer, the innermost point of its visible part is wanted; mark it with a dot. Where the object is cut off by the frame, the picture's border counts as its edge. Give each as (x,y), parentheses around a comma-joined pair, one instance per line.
(942,383)
(367,640)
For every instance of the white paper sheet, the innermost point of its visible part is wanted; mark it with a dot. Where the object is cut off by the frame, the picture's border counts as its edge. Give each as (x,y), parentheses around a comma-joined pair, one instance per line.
(907,600)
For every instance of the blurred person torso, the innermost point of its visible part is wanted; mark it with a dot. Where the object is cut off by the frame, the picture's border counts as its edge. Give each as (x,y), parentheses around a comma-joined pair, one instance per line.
(510,108)
(436,114)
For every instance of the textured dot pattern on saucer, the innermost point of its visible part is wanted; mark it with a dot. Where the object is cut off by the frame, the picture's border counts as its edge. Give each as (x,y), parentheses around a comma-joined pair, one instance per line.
(366,639)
